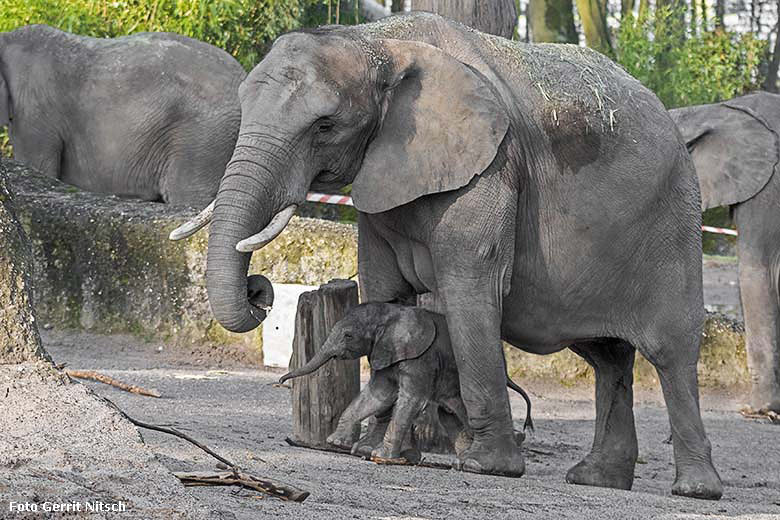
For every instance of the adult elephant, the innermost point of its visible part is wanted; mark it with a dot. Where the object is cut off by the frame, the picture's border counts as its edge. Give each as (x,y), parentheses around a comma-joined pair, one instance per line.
(542,194)
(735,147)
(153,116)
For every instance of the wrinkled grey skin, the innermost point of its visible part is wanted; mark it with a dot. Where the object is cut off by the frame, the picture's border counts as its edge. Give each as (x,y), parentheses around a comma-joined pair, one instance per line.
(497,17)
(412,366)
(735,146)
(152,116)
(542,194)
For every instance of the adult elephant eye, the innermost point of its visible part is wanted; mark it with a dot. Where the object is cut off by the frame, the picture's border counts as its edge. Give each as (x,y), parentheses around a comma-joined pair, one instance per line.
(325,127)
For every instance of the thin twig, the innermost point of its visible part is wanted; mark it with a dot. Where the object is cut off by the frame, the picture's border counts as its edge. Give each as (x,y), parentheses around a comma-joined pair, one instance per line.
(234,477)
(101,378)
(378,460)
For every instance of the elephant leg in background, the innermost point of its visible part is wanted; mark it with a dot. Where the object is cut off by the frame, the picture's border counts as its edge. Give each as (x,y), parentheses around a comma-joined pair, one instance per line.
(696,477)
(611,460)
(375,399)
(452,416)
(758,222)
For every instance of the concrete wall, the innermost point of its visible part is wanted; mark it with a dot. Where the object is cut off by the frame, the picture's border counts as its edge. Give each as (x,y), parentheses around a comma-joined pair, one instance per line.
(105,264)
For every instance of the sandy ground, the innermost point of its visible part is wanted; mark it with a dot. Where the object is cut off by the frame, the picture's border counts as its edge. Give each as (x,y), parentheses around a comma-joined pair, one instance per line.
(235,410)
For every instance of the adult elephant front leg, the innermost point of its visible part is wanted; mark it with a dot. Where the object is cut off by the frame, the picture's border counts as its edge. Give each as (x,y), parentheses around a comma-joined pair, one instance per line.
(611,461)
(474,320)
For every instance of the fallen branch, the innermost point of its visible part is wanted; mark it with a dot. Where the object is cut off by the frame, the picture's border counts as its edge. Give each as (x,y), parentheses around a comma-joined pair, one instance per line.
(228,478)
(234,477)
(101,378)
(377,460)
(763,413)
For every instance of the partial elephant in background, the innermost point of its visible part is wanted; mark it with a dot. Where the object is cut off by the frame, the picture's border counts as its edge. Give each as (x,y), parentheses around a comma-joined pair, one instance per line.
(412,366)
(153,116)
(736,150)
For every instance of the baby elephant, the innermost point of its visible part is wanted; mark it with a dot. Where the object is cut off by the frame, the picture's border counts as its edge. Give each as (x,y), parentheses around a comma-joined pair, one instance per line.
(412,364)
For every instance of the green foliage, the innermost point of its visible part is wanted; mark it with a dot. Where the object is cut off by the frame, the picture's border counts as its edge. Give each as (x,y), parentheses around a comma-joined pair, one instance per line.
(241,27)
(6,150)
(703,66)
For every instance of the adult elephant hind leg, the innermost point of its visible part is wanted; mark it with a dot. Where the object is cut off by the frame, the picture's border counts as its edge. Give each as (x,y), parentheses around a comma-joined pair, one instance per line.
(612,458)
(696,476)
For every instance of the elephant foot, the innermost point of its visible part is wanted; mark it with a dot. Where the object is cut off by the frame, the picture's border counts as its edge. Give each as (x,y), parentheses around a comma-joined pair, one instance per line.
(501,457)
(337,440)
(602,473)
(698,482)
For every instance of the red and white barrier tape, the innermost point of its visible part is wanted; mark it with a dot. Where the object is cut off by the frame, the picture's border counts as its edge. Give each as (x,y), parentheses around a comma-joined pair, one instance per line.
(342,200)
(720,230)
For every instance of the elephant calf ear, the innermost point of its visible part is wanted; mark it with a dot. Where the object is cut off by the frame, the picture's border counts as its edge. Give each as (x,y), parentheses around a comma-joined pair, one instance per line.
(407,335)
(443,125)
(5,103)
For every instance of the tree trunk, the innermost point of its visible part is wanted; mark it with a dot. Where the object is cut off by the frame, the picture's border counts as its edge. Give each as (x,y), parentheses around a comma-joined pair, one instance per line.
(497,17)
(771,76)
(19,339)
(319,399)
(626,8)
(593,14)
(552,21)
(720,11)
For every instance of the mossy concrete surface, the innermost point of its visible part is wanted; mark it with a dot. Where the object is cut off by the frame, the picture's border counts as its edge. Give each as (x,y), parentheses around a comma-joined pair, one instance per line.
(722,360)
(105,264)
(19,339)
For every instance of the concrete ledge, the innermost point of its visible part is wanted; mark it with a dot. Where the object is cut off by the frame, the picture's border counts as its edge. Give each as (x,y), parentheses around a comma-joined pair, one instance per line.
(105,264)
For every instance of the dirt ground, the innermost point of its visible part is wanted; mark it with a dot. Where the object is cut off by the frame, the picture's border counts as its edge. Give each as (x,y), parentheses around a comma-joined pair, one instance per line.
(234,409)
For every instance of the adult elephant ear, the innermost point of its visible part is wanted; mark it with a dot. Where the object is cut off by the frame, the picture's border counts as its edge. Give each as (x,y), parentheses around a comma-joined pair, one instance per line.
(443,124)
(734,145)
(5,103)
(407,335)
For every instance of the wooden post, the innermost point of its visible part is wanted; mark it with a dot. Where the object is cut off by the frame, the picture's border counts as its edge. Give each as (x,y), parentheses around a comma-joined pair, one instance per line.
(427,429)
(319,398)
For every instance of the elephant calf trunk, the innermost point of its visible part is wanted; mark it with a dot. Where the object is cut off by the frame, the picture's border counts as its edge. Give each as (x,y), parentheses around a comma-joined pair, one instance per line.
(313,365)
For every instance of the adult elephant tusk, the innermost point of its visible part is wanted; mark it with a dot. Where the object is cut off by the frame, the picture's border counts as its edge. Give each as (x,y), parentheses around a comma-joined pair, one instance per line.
(271,231)
(191,227)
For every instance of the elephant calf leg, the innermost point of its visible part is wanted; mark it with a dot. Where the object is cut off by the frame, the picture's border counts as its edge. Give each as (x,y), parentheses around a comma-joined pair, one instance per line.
(611,460)
(374,436)
(406,409)
(374,399)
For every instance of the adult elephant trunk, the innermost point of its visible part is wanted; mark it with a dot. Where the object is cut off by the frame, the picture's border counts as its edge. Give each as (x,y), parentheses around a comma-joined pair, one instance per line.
(249,198)
(319,359)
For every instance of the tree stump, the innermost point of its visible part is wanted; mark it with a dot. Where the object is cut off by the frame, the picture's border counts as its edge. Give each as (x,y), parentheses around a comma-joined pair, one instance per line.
(427,429)
(320,398)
